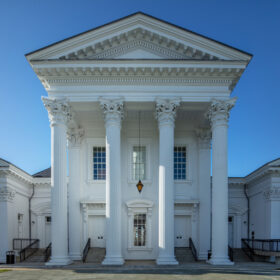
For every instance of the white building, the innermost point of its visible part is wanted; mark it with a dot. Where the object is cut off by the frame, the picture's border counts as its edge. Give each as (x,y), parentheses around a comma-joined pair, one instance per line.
(137,99)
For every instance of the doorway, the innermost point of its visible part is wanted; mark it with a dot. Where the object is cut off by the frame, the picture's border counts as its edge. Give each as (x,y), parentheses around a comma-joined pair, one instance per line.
(182,231)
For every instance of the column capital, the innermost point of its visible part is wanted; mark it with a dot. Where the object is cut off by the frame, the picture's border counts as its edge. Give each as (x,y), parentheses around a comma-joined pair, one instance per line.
(59,110)
(218,112)
(112,110)
(7,194)
(166,110)
(204,136)
(75,137)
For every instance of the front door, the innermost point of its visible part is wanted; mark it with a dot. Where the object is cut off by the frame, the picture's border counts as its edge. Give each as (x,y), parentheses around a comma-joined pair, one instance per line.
(96,230)
(182,231)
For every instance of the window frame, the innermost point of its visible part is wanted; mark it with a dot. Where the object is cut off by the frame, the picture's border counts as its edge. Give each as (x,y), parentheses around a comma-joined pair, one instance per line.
(91,143)
(186,169)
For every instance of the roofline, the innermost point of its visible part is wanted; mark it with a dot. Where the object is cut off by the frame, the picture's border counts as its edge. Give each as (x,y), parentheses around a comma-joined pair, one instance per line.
(131,15)
(9,163)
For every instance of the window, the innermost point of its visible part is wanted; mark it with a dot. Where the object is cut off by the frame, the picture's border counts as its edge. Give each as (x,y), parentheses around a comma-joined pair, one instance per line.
(139,163)
(48,219)
(99,163)
(180,163)
(140,230)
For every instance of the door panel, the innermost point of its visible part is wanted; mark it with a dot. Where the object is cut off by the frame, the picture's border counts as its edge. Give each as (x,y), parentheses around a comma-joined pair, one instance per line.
(96,231)
(182,231)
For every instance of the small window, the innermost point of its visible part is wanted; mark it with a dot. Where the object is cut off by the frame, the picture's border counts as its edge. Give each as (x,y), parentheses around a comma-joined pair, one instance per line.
(139,163)
(230,219)
(99,163)
(20,217)
(180,161)
(140,230)
(48,219)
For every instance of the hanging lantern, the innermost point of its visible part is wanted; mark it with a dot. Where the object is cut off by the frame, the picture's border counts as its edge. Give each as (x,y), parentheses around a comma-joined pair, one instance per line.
(139,185)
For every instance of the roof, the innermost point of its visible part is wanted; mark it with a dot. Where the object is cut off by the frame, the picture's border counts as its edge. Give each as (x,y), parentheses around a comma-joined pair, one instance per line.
(46,173)
(146,15)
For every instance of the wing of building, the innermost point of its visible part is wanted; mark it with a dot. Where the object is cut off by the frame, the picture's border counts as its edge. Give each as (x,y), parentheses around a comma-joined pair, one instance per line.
(140,101)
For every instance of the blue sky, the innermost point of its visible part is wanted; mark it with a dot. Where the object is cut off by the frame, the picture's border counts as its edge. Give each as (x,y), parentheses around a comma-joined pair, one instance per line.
(252,26)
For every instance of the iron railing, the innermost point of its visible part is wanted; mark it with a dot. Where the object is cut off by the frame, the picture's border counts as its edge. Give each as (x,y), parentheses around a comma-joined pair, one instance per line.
(230,253)
(193,249)
(48,252)
(20,243)
(247,249)
(29,250)
(86,249)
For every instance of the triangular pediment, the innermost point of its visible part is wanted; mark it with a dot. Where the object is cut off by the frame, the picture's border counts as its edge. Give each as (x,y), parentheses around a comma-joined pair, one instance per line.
(138,36)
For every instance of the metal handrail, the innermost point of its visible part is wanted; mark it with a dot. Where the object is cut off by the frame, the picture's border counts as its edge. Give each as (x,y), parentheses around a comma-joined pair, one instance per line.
(48,252)
(268,245)
(193,249)
(230,253)
(86,249)
(247,249)
(20,243)
(29,250)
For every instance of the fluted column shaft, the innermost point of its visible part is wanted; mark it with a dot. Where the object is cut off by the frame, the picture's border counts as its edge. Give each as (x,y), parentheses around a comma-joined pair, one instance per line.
(75,217)
(59,113)
(166,113)
(113,113)
(219,114)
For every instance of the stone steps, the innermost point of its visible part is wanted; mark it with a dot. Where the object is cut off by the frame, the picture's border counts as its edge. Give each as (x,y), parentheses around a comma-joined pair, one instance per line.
(96,255)
(38,256)
(184,255)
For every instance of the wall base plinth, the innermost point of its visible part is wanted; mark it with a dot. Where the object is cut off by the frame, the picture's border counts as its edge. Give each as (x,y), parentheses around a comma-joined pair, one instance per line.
(169,260)
(202,256)
(75,256)
(220,261)
(113,260)
(59,261)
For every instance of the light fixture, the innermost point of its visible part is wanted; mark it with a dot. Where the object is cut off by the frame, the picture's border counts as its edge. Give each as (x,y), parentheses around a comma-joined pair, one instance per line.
(139,185)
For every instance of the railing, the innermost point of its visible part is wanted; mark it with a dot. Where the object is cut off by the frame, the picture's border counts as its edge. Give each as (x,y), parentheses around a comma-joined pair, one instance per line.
(247,249)
(230,253)
(193,249)
(86,249)
(48,252)
(29,250)
(20,243)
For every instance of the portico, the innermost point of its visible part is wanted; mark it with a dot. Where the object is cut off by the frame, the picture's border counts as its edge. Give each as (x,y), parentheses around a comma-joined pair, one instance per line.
(97,84)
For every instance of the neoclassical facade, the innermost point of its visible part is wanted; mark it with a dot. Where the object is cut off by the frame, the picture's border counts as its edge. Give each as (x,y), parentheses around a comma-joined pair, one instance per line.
(139,99)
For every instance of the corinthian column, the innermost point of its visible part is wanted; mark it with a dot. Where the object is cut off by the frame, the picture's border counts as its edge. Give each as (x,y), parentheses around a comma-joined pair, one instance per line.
(113,114)
(165,114)
(75,220)
(218,115)
(59,115)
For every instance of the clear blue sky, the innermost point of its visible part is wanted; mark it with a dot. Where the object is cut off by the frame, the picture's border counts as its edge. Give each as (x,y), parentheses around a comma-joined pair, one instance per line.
(252,26)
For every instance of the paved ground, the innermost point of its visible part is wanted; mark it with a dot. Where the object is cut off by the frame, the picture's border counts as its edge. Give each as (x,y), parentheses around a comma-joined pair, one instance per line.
(192,271)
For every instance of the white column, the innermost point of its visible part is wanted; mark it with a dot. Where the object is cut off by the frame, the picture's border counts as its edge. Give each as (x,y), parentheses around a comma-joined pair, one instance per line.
(166,113)
(75,218)
(113,113)
(218,115)
(59,115)
(204,191)
(7,221)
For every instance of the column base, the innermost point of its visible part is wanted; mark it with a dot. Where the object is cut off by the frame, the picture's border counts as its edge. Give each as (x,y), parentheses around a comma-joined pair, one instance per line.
(167,260)
(59,261)
(220,261)
(202,256)
(75,256)
(109,260)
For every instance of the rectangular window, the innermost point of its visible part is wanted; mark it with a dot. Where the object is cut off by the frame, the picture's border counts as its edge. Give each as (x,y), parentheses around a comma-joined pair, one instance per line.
(48,219)
(139,229)
(180,158)
(99,163)
(139,163)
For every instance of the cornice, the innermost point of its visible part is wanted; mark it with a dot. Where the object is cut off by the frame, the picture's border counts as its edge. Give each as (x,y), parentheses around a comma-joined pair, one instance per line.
(10,171)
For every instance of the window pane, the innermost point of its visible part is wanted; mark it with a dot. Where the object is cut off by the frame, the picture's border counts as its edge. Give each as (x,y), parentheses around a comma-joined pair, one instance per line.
(139,230)
(180,163)
(139,163)
(99,166)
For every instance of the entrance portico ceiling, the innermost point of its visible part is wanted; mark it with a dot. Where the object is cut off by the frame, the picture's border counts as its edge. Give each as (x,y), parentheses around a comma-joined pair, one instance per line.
(138,50)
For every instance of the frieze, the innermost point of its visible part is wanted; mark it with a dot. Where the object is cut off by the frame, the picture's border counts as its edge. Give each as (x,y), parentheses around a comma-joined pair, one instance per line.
(272,193)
